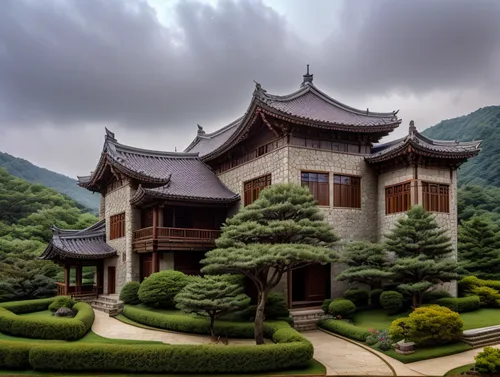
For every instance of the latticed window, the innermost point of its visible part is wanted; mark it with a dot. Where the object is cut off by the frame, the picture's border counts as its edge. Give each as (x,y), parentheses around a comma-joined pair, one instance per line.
(346,191)
(398,198)
(436,197)
(254,187)
(319,185)
(117,226)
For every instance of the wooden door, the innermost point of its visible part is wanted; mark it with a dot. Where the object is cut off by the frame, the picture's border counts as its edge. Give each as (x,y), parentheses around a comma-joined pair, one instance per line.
(317,282)
(146,265)
(111,280)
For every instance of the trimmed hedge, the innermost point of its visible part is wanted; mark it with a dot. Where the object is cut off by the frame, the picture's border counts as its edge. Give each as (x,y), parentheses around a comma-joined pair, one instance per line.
(159,289)
(61,302)
(342,308)
(461,304)
(391,301)
(129,293)
(430,297)
(345,329)
(15,355)
(28,306)
(48,328)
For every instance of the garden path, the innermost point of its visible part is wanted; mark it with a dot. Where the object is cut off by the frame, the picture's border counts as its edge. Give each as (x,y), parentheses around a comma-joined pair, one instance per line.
(109,327)
(441,365)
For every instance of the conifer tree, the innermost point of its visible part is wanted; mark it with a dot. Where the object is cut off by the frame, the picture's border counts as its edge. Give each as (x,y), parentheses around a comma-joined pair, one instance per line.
(423,253)
(213,296)
(281,231)
(479,248)
(367,263)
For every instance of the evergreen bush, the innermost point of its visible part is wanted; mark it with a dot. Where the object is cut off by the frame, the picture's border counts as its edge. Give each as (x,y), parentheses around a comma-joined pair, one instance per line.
(489,297)
(342,308)
(15,355)
(160,288)
(345,329)
(375,297)
(431,297)
(488,361)
(359,297)
(326,304)
(276,307)
(28,306)
(391,301)
(129,295)
(61,302)
(460,304)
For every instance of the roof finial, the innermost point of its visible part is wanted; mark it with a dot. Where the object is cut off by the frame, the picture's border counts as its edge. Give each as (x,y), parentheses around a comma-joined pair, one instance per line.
(109,135)
(175,149)
(200,130)
(307,77)
(412,126)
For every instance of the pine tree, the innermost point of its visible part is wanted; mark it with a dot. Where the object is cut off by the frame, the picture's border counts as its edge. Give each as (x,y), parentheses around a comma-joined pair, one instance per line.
(367,263)
(280,231)
(214,296)
(423,253)
(479,248)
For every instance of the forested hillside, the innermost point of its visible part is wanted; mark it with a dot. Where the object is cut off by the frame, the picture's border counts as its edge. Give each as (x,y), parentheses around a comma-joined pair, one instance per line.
(27,211)
(34,174)
(482,124)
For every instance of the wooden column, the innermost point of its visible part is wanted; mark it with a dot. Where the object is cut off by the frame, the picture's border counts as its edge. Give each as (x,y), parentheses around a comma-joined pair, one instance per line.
(155,263)
(161,208)
(78,278)
(67,270)
(99,277)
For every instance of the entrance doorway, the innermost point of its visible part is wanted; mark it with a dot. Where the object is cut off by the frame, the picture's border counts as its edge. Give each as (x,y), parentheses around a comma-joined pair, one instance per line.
(146,265)
(111,280)
(310,285)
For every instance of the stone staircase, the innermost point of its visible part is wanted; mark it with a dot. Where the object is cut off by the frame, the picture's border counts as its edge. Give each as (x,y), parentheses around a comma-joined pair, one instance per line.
(306,319)
(485,336)
(110,304)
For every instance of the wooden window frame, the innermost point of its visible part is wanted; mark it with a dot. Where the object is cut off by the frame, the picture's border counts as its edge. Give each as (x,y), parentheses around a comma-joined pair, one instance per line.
(438,201)
(117,226)
(253,187)
(346,195)
(397,198)
(319,189)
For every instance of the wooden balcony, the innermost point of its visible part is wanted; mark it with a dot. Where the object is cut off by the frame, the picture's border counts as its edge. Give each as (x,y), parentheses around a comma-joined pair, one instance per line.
(85,290)
(151,239)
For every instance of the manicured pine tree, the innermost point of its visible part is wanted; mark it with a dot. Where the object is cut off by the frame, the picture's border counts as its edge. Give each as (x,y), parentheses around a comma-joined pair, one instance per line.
(367,263)
(213,296)
(479,248)
(423,253)
(281,231)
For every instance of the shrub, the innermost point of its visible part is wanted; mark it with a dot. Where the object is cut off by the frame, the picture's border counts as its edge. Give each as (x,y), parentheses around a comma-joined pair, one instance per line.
(343,308)
(326,304)
(391,301)
(371,340)
(48,328)
(467,283)
(276,307)
(489,297)
(488,361)
(14,355)
(61,302)
(160,288)
(461,304)
(345,329)
(430,297)
(128,294)
(428,325)
(384,345)
(375,297)
(358,296)
(27,306)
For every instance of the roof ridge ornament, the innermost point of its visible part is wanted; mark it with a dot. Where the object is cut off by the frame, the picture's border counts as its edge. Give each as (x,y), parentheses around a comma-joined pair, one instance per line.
(308,78)
(201,131)
(412,129)
(109,135)
(259,92)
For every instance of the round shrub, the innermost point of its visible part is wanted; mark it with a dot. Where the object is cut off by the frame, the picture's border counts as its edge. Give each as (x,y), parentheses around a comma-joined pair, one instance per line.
(276,307)
(358,296)
(343,308)
(460,304)
(375,297)
(64,312)
(326,304)
(428,325)
(371,340)
(430,297)
(61,302)
(128,294)
(385,345)
(391,301)
(489,297)
(160,288)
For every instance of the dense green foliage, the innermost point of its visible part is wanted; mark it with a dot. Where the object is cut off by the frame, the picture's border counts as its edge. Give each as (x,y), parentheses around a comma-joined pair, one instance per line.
(430,325)
(159,289)
(48,328)
(23,169)
(276,307)
(391,301)
(280,231)
(129,293)
(345,329)
(487,290)
(212,296)
(359,297)
(61,302)
(431,297)
(27,211)
(479,248)
(342,308)
(423,253)
(28,306)
(488,361)
(375,297)
(460,304)
(366,264)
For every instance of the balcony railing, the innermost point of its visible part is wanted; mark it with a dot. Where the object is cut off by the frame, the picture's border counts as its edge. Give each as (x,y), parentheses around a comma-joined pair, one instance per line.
(148,239)
(73,291)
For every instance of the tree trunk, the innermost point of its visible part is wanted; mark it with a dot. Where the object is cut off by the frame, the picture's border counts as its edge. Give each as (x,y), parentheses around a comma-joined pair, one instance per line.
(212,321)
(415,300)
(259,318)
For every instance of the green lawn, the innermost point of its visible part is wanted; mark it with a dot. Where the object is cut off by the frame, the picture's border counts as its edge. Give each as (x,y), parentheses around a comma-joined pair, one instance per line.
(458,371)
(429,353)
(378,319)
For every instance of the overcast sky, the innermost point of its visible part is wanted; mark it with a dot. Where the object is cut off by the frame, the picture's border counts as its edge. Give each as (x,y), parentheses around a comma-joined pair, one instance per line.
(151,70)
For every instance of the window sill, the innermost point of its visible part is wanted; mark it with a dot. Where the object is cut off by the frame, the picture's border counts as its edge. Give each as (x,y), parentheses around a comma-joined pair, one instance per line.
(354,208)
(117,238)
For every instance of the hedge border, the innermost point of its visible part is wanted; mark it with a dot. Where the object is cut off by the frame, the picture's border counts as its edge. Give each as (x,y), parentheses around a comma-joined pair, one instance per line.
(345,329)
(48,328)
(28,306)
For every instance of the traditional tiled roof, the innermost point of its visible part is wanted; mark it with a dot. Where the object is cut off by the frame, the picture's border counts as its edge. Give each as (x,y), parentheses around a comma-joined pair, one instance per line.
(169,175)
(307,106)
(417,143)
(88,243)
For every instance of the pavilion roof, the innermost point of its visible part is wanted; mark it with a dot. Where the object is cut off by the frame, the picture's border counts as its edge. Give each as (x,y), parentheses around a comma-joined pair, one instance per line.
(89,243)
